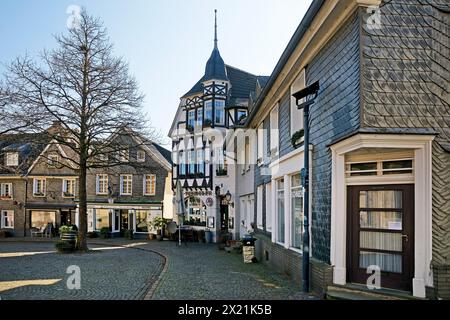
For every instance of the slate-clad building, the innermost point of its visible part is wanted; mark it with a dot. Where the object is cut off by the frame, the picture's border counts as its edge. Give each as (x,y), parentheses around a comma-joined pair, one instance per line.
(379,147)
(38,186)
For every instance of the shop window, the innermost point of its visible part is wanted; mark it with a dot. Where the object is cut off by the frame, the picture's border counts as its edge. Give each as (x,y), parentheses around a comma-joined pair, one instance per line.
(296,212)
(280,211)
(196,212)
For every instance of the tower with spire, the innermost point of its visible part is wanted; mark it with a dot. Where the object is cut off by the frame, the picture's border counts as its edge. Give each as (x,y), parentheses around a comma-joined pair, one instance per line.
(220,100)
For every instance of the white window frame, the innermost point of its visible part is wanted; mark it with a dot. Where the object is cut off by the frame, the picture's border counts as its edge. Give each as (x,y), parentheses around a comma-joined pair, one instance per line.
(259,207)
(296,114)
(274,131)
(269,211)
(3,194)
(104,179)
(223,109)
(65,188)
(12,159)
(260,144)
(4,214)
(129,178)
(140,156)
(146,178)
(36,182)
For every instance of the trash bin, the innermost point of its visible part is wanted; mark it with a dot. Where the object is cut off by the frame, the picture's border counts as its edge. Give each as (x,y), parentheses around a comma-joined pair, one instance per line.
(248,249)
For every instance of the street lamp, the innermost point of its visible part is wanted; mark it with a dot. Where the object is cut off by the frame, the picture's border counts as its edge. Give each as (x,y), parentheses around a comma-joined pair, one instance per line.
(305,98)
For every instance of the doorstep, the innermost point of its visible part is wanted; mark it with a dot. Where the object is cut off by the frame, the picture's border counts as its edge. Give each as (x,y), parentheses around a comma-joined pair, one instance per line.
(361,292)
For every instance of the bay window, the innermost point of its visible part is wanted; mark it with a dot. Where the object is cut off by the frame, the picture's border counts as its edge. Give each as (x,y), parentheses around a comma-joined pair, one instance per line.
(219,106)
(208,113)
(199,117)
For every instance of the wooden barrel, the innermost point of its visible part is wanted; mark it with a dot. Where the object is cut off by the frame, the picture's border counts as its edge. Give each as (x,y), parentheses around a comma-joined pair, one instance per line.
(70,237)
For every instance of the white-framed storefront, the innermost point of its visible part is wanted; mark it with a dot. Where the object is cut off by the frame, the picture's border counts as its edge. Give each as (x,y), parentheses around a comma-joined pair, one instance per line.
(420,147)
(110,216)
(283,171)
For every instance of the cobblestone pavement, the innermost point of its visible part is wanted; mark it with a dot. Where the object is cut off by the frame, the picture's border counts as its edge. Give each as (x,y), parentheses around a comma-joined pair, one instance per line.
(35,271)
(193,272)
(202,272)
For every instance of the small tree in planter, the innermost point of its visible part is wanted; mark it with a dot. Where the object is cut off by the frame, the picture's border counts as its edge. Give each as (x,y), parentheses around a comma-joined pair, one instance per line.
(69,235)
(159,223)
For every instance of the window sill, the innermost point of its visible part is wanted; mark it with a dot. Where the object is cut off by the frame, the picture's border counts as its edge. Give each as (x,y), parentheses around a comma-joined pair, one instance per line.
(39,195)
(149,195)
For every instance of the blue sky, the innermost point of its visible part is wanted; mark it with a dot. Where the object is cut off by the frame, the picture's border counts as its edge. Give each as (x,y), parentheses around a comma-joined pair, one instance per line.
(166,42)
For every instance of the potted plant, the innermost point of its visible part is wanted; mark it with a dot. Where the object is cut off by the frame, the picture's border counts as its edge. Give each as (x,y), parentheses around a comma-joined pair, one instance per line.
(159,224)
(296,138)
(69,234)
(105,233)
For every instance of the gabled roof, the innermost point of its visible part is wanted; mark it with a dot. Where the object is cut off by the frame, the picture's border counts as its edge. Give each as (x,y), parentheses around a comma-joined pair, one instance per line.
(164,152)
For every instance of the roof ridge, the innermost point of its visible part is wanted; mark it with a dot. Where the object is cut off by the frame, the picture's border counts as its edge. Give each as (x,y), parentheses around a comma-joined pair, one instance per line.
(228,66)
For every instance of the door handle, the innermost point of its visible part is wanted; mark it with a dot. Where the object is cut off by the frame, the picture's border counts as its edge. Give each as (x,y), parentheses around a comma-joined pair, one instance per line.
(405,237)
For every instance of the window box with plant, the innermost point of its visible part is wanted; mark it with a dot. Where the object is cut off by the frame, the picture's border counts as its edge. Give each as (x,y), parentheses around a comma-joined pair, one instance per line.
(297,138)
(220,172)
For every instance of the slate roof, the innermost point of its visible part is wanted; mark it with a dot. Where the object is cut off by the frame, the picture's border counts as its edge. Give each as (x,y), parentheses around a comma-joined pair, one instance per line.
(215,67)
(29,147)
(243,84)
(164,152)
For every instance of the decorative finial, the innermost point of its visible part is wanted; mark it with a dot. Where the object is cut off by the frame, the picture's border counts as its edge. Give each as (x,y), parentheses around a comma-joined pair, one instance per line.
(215,29)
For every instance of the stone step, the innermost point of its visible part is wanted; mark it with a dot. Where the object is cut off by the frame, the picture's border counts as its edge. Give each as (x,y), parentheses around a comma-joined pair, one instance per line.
(360,292)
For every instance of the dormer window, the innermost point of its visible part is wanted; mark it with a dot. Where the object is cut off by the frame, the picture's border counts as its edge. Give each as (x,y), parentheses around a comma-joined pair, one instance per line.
(140,156)
(52,160)
(12,159)
(124,155)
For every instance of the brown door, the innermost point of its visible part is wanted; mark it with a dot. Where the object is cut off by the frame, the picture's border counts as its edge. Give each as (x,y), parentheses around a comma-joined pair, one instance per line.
(381,233)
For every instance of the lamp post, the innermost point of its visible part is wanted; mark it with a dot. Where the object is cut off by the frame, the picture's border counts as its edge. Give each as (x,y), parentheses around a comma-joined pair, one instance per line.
(305,98)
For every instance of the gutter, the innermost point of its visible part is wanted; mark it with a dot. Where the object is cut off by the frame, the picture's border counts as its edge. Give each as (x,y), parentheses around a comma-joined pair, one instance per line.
(298,35)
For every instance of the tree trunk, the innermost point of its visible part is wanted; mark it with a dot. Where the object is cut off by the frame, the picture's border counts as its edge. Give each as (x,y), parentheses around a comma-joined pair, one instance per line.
(82,207)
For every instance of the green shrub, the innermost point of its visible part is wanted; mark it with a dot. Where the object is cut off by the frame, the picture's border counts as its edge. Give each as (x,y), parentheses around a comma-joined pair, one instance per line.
(68,228)
(105,232)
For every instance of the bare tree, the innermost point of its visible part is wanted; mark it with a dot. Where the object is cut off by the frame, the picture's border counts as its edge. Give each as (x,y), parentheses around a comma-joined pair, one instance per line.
(86,91)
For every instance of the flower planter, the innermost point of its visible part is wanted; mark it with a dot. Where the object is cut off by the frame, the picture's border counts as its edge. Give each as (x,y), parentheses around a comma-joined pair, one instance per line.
(69,237)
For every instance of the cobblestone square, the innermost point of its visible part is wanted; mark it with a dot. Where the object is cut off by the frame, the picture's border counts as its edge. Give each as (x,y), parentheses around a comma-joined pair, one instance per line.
(120,270)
